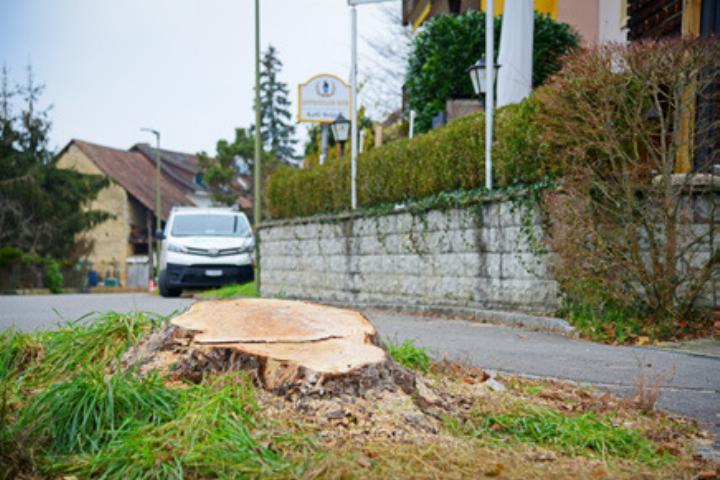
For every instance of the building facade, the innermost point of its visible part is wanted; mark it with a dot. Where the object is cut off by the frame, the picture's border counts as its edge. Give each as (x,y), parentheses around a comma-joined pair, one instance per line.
(597,21)
(130,199)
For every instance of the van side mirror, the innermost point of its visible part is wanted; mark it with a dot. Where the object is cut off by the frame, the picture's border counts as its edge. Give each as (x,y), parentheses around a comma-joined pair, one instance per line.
(159,235)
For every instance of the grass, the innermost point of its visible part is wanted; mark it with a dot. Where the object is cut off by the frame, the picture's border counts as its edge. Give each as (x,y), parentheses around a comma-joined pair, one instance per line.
(211,435)
(66,410)
(89,342)
(231,291)
(603,322)
(583,434)
(79,414)
(409,355)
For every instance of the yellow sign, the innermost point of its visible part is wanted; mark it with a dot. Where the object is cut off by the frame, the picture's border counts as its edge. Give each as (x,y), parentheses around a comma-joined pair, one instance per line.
(548,7)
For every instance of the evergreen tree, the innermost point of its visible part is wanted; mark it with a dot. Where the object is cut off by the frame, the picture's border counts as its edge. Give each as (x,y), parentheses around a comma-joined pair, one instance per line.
(41,206)
(276,128)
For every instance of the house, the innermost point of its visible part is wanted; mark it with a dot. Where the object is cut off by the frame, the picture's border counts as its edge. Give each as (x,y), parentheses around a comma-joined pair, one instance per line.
(130,198)
(655,19)
(597,21)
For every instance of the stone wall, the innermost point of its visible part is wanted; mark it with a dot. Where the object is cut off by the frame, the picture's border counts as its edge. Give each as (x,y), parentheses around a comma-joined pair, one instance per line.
(475,258)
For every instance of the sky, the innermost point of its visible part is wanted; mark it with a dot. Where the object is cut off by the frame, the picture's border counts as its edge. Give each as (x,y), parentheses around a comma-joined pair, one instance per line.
(183,67)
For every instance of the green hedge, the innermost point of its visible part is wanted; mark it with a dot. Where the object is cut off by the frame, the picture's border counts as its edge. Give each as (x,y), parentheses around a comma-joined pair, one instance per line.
(444,159)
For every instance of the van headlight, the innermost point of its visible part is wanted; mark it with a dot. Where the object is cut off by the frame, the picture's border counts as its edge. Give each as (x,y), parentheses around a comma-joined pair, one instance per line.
(173,247)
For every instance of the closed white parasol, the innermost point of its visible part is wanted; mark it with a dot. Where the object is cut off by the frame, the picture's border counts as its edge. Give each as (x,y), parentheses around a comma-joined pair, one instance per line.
(515,57)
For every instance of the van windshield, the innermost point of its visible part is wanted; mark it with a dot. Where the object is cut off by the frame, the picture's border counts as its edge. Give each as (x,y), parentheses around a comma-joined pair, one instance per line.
(191,225)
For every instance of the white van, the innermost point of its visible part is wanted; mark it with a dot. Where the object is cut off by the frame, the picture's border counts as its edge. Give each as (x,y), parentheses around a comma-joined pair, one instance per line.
(203,248)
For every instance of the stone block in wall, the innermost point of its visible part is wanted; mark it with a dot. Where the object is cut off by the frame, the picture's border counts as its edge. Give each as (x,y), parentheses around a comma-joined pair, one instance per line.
(370,245)
(404,222)
(374,264)
(703,208)
(447,289)
(456,264)
(406,264)
(523,265)
(516,214)
(489,239)
(516,239)
(488,215)
(526,294)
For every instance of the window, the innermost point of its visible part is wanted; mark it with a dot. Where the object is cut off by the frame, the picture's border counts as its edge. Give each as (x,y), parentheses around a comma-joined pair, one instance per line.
(230,225)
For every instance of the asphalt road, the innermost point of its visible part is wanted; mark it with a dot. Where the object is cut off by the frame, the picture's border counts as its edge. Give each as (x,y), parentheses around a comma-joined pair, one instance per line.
(30,312)
(690,384)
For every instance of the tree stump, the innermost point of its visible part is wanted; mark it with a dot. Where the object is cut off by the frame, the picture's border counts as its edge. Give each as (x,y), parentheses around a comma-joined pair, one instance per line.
(288,346)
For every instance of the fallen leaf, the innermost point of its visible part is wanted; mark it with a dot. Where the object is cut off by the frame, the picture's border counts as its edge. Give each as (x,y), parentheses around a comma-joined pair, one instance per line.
(643,340)
(364,463)
(495,470)
(599,473)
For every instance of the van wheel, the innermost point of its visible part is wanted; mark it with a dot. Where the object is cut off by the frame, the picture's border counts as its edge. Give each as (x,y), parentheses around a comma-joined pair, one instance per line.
(165,290)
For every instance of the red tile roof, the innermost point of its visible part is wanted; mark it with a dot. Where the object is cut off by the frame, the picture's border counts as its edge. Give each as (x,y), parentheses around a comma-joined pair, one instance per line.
(135,173)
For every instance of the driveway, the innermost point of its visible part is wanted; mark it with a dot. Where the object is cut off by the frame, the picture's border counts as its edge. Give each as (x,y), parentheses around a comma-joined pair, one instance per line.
(690,383)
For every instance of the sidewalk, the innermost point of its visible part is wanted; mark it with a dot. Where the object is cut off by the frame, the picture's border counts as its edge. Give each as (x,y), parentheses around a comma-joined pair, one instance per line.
(705,346)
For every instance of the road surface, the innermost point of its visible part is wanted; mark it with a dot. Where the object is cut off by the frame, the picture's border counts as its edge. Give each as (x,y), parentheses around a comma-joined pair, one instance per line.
(691,383)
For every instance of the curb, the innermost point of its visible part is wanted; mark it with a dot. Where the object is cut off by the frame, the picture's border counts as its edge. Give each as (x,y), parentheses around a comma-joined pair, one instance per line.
(551,324)
(497,317)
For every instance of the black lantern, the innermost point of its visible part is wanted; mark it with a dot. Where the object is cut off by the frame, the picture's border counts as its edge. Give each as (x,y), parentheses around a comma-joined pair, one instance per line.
(340,130)
(478,75)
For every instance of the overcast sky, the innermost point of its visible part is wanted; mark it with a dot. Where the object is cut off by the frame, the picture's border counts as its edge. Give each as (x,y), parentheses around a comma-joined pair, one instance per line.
(184,67)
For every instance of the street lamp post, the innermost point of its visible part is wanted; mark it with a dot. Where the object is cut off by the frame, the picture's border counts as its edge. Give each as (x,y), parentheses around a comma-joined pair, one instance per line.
(158,206)
(353,82)
(490,86)
(340,129)
(482,81)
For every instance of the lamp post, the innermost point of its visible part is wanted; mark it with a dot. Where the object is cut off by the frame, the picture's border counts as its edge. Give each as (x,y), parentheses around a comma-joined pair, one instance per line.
(490,86)
(340,129)
(158,207)
(482,79)
(353,82)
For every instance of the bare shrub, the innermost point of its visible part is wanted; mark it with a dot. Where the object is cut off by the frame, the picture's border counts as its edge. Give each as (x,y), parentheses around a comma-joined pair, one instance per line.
(627,226)
(648,386)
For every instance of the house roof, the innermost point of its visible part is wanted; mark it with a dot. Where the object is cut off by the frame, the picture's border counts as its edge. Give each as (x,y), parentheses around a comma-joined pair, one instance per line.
(135,173)
(179,167)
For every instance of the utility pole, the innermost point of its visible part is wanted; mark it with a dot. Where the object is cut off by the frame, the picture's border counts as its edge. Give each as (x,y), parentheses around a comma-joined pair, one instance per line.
(258,147)
(354,120)
(158,205)
(490,94)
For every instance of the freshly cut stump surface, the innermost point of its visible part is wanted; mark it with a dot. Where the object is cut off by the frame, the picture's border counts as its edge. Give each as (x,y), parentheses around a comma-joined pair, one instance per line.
(290,346)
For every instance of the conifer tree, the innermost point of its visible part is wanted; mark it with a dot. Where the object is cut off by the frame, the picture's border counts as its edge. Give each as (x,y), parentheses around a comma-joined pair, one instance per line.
(277,129)
(42,207)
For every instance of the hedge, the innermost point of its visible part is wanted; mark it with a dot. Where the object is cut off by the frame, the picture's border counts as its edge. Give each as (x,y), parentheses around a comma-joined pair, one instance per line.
(444,159)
